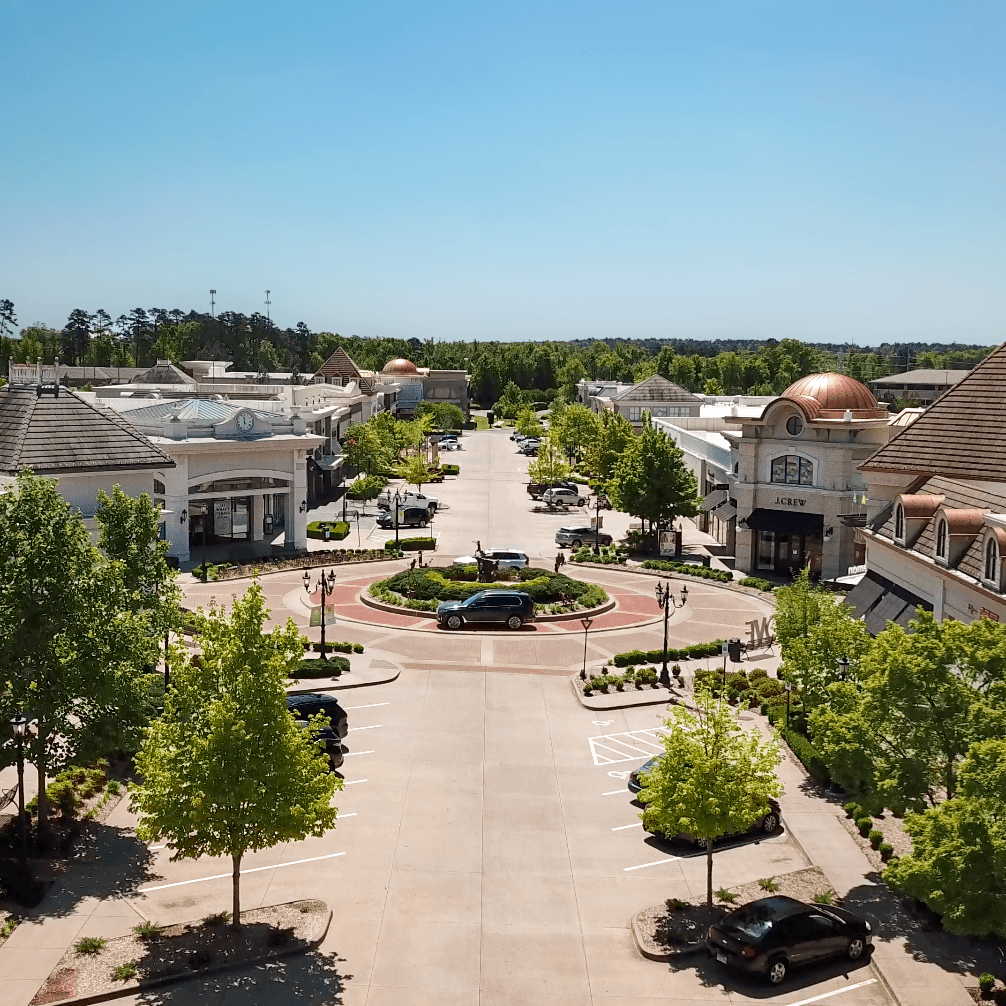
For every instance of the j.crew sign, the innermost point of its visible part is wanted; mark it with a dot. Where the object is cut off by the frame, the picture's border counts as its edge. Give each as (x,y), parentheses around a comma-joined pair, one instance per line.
(789,501)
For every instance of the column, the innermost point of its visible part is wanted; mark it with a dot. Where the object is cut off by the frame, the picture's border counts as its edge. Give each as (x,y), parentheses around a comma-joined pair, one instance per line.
(176,499)
(257,514)
(296,521)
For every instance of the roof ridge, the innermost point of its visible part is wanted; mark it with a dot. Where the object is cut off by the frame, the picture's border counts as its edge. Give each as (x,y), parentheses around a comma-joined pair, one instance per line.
(25,424)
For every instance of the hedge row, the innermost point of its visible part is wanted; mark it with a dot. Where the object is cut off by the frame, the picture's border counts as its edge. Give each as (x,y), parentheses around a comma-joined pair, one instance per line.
(450,469)
(337,529)
(440,584)
(335,647)
(694,651)
(703,572)
(801,746)
(412,544)
(758,583)
(312,668)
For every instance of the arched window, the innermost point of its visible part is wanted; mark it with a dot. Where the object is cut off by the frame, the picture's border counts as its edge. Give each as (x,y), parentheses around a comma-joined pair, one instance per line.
(991,560)
(792,470)
(899,522)
(941,539)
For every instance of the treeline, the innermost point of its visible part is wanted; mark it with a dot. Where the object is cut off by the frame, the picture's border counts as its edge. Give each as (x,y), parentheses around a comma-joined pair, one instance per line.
(550,369)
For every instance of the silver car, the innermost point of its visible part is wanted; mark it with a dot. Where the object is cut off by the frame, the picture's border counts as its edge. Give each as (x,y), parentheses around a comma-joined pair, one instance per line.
(508,558)
(559,494)
(575,535)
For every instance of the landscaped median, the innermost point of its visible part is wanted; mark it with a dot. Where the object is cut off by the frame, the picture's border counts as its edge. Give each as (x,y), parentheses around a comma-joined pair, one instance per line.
(425,589)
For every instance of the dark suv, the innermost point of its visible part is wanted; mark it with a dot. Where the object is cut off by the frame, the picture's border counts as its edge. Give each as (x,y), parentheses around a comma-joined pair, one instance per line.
(309,704)
(410,516)
(330,741)
(513,607)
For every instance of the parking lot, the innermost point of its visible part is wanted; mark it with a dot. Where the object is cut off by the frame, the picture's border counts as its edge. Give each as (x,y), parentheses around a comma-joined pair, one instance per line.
(485,854)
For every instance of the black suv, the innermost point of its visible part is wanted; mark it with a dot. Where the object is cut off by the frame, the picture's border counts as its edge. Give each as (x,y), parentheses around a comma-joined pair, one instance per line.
(513,607)
(410,516)
(308,704)
(330,741)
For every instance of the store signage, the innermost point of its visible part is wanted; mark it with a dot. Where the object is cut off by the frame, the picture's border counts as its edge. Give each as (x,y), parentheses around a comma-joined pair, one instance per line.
(222,518)
(789,501)
(985,613)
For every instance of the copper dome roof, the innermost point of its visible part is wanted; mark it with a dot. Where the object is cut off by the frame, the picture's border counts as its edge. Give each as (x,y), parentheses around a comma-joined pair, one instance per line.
(400,367)
(834,392)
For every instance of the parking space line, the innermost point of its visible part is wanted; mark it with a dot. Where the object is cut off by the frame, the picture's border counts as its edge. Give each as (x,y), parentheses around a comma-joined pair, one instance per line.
(341,817)
(628,745)
(353,782)
(836,992)
(349,754)
(370,705)
(374,727)
(221,876)
(656,862)
(638,824)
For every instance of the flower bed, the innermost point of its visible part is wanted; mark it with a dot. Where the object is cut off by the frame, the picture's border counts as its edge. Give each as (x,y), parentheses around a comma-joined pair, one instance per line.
(273,564)
(693,652)
(686,568)
(425,589)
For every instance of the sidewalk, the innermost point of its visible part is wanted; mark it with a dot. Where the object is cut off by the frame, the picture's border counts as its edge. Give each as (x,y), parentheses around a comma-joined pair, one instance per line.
(816,826)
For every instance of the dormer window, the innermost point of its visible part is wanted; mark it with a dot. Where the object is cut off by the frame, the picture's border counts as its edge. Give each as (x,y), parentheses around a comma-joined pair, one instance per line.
(899,522)
(992,560)
(941,539)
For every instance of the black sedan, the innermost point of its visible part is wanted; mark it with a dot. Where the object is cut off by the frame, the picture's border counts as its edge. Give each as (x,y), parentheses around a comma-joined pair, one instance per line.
(766,824)
(512,607)
(769,936)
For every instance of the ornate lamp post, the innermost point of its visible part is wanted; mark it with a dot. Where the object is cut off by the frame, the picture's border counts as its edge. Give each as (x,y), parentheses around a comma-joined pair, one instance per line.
(396,499)
(20,726)
(667,601)
(325,584)
(600,500)
(843,667)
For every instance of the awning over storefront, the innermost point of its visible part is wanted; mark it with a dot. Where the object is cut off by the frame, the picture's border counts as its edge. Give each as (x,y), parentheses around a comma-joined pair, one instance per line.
(785,521)
(879,601)
(726,511)
(330,462)
(715,499)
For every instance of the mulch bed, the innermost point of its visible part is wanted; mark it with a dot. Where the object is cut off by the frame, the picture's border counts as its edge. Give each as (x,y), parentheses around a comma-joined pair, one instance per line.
(186,949)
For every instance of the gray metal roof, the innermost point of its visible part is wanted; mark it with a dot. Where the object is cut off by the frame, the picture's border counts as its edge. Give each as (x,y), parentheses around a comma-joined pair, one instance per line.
(943,378)
(194,410)
(658,389)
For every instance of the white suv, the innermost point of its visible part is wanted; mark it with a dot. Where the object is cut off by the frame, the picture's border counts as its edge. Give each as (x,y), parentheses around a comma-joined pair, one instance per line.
(508,558)
(560,494)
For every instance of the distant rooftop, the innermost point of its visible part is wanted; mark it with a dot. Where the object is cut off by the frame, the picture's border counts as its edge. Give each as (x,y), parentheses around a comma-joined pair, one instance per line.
(944,378)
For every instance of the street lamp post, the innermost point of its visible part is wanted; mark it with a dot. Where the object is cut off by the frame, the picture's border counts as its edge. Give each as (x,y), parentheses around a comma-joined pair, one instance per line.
(325,584)
(20,726)
(600,500)
(586,623)
(843,667)
(397,499)
(666,600)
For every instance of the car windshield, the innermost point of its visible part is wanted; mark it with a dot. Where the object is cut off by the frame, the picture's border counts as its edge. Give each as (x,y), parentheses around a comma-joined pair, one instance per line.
(646,766)
(756,919)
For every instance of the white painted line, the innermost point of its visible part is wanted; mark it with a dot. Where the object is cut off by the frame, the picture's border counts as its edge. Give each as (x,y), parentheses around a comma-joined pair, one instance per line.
(656,862)
(376,726)
(837,992)
(221,876)
(154,848)
(339,817)
(354,782)
(371,705)
(349,754)
(614,792)
(638,824)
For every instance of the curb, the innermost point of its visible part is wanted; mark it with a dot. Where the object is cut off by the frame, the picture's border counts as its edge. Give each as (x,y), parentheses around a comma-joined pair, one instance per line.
(396,609)
(141,987)
(671,699)
(767,596)
(687,951)
(323,560)
(319,687)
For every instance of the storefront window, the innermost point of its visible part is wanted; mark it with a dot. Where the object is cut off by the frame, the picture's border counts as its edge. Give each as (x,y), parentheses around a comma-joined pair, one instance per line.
(766,549)
(237,485)
(793,470)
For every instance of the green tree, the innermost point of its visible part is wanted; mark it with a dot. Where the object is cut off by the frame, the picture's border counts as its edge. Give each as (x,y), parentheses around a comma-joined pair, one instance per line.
(650,479)
(713,778)
(578,428)
(443,415)
(365,450)
(958,861)
(529,424)
(73,648)
(415,471)
(614,432)
(510,403)
(712,386)
(569,376)
(226,770)
(548,467)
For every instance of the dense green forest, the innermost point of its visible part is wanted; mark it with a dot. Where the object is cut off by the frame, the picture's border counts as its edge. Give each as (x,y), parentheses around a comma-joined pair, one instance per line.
(254,343)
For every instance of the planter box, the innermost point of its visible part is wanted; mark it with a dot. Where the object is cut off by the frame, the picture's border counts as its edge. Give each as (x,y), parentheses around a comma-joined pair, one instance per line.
(414,544)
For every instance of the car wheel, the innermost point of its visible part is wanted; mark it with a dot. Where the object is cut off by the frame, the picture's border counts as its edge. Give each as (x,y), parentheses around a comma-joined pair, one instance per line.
(777,968)
(581,502)
(515,621)
(770,822)
(453,621)
(423,523)
(855,949)
(577,543)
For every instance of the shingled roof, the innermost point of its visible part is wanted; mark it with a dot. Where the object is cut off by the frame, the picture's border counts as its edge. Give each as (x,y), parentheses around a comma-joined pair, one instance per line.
(961,436)
(67,434)
(658,389)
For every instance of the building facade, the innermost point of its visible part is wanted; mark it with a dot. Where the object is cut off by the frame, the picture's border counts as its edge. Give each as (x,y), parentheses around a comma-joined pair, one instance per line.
(656,395)
(920,386)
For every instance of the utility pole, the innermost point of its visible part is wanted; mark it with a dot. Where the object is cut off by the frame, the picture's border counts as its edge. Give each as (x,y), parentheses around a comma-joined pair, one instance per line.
(213,294)
(267,303)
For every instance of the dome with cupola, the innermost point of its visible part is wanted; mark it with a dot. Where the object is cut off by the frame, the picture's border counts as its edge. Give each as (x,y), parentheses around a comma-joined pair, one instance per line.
(831,396)
(400,366)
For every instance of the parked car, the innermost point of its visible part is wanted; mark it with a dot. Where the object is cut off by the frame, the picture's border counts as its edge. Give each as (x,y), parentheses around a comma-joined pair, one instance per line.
(408,516)
(308,704)
(766,824)
(331,742)
(562,495)
(530,447)
(769,936)
(406,497)
(575,535)
(535,489)
(449,444)
(508,558)
(513,607)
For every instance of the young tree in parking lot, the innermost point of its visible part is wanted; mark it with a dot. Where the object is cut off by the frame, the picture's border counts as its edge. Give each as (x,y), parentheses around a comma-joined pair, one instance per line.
(614,432)
(576,429)
(365,450)
(415,471)
(529,424)
(226,770)
(712,780)
(548,467)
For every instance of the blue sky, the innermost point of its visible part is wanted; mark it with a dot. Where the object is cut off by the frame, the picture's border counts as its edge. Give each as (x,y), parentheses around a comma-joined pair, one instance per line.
(819,170)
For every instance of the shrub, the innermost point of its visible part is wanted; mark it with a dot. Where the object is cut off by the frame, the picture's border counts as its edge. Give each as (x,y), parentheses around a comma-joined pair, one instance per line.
(703,572)
(824,899)
(758,583)
(312,668)
(886,849)
(337,529)
(986,982)
(451,469)
(147,929)
(804,751)
(724,895)
(876,836)
(124,972)
(865,825)
(853,810)
(768,884)
(412,544)
(756,673)
(358,647)
(90,944)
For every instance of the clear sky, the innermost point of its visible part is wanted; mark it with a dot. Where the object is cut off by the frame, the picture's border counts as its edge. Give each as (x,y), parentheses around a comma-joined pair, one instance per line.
(684,168)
